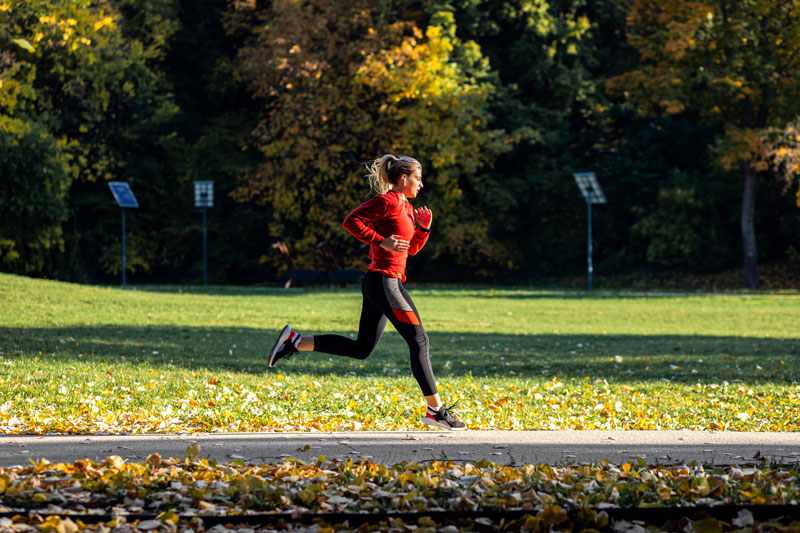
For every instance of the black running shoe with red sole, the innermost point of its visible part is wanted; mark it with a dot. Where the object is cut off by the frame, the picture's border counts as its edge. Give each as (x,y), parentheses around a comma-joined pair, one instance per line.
(443,420)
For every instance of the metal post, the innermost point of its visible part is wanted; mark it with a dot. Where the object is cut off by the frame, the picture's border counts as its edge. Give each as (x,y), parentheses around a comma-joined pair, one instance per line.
(589,246)
(205,275)
(124,196)
(123,246)
(203,198)
(593,194)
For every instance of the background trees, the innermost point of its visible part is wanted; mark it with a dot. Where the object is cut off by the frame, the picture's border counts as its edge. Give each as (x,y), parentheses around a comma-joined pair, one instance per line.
(281,103)
(334,95)
(734,63)
(78,96)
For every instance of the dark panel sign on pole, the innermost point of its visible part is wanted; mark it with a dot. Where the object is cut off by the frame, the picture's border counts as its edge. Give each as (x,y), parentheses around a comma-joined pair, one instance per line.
(593,194)
(125,199)
(204,197)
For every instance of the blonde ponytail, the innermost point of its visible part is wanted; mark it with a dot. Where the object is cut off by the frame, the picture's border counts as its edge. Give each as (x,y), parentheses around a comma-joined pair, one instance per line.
(379,174)
(385,171)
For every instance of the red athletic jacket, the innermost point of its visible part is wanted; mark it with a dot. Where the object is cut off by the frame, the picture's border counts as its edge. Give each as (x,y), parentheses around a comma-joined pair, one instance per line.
(382,216)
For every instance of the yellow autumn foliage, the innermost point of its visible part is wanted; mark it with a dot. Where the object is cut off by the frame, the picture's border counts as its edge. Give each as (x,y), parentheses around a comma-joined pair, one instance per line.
(333,101)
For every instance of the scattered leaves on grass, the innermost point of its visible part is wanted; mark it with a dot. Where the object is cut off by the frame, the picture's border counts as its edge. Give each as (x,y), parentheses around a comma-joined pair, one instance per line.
(197,402)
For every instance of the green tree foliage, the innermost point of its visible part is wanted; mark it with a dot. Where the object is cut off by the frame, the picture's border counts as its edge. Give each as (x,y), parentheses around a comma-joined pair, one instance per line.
(644,161)
(676,229)
(70,73)
(551,59)
(203,140)
(732,62)
(35,177)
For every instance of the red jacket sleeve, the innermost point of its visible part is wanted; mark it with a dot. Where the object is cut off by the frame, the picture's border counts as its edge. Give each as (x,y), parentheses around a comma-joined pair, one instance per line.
(418,241)
(357,222)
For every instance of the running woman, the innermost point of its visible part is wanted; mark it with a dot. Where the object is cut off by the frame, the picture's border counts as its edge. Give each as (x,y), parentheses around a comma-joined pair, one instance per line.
(387,223)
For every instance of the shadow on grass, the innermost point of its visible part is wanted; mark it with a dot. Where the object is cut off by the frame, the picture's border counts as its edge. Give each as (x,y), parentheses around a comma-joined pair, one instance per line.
(678,358)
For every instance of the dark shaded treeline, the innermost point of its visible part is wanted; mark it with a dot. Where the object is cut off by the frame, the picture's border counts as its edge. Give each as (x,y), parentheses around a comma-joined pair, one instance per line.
(209,89)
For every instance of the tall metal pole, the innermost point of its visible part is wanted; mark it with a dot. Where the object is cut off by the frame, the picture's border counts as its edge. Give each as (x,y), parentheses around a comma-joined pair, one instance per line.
(123,246)
(205,275)
(589,246)
(593,194)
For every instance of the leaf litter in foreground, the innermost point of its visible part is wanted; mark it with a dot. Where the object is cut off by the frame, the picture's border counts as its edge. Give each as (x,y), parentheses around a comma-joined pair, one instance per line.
(176,489)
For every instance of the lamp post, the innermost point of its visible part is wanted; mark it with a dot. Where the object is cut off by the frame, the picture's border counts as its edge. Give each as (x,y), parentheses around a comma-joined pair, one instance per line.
(204,197)
(593,194)
(125,199)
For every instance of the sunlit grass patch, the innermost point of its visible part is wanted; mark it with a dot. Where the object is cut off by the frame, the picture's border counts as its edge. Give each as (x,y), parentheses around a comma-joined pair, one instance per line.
(78,359)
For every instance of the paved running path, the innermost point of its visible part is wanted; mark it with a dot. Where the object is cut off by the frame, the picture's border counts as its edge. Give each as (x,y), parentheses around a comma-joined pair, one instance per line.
(504,447)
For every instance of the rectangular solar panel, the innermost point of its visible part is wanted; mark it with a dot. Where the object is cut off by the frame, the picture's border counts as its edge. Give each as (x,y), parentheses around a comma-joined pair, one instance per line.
(590,187)
(123,194)
(204,193)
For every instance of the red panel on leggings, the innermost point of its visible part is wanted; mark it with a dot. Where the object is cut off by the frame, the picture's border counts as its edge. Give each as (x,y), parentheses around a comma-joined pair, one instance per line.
(409,317)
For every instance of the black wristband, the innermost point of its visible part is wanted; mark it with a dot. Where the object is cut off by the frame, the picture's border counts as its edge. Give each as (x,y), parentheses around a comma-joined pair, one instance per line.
(425,230)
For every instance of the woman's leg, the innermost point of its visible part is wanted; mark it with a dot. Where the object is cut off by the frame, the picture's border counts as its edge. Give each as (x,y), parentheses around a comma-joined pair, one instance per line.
(389,295)
(433,400)
(306,343)
(370,330)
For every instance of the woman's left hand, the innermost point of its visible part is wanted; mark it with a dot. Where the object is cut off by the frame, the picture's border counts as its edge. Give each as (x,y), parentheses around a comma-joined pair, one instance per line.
(424,217)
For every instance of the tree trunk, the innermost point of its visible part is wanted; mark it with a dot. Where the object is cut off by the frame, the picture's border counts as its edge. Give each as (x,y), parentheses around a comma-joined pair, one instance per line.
(748,227)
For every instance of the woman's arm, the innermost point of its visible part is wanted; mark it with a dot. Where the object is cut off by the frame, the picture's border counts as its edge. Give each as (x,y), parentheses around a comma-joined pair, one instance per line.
(357,222)
(424,218)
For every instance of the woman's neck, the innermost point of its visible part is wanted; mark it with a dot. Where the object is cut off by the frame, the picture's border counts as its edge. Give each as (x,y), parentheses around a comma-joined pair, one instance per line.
(399,191)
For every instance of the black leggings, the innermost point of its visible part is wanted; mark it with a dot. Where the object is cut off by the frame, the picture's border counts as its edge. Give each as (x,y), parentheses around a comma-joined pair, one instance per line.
(385,298)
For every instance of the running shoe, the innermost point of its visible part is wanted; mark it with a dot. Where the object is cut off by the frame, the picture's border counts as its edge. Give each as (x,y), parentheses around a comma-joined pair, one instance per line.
(285,346)
(443,419)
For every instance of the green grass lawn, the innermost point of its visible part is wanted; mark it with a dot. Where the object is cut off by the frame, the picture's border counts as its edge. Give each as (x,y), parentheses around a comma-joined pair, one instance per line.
(82,359)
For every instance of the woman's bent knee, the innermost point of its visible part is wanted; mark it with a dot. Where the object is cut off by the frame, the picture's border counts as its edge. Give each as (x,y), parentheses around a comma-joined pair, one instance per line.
(362,352)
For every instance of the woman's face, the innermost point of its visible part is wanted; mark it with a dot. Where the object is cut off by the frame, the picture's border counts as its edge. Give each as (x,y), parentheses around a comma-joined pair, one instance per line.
(412,183)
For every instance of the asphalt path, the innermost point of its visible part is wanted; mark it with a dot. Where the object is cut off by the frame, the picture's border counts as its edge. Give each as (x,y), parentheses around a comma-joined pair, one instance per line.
(503,447)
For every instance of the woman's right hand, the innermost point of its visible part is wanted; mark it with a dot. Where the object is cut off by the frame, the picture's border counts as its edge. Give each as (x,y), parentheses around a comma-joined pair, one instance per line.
(395,243)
